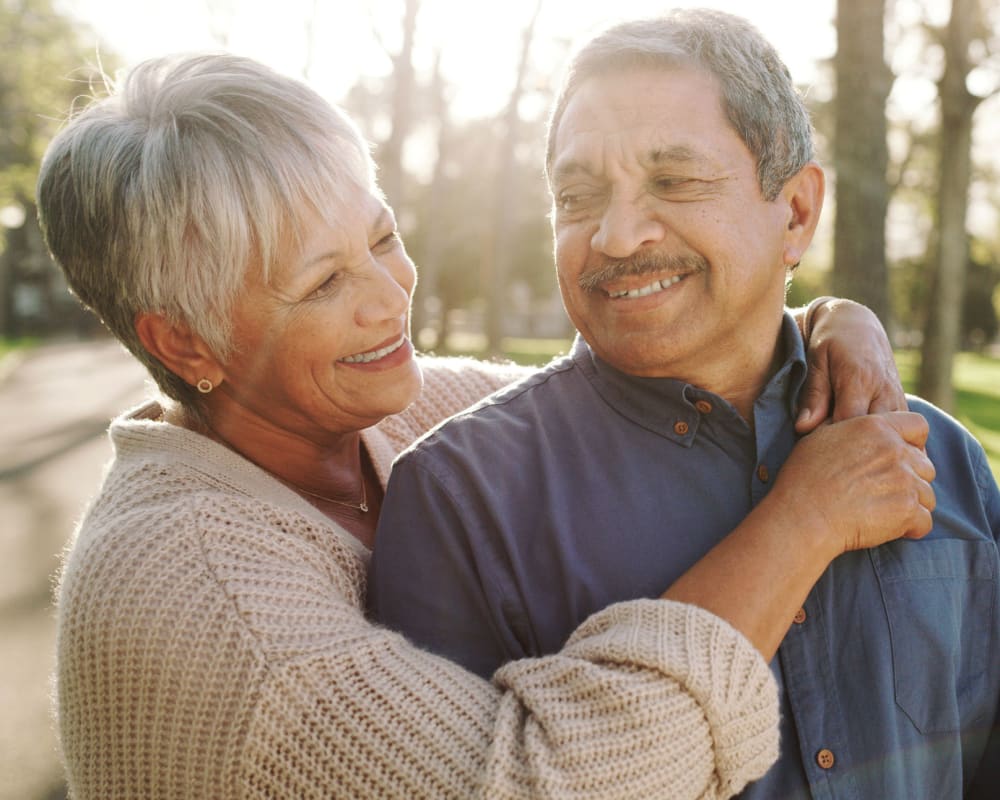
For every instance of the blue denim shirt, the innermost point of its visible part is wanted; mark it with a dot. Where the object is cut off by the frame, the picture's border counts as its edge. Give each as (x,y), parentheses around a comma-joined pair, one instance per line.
(506,527)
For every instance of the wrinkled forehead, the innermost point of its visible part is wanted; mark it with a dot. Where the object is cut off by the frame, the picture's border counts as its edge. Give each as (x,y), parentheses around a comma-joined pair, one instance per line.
(648,115)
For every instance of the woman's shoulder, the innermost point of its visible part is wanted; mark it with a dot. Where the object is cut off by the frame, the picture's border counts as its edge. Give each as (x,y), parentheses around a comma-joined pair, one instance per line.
(451,385)
(470,376)
(174,538)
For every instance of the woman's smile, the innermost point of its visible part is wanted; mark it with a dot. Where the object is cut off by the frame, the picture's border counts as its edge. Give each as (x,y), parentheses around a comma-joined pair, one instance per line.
(382,356)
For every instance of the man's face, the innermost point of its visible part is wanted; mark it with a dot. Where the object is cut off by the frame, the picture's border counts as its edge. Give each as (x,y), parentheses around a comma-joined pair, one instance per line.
(658,213)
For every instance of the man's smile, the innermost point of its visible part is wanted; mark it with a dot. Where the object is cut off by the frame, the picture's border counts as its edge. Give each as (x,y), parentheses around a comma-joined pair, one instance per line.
(650,288)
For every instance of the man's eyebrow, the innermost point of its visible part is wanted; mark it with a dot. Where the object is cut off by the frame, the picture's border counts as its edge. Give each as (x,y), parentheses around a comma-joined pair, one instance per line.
(675,154)
(655,157)
(567,170)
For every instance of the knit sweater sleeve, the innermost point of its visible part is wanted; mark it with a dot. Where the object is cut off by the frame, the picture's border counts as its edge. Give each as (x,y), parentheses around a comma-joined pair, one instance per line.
(648,699)
(214,644)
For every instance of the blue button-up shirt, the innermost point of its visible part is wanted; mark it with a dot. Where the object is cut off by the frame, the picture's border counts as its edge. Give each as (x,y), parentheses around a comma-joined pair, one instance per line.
(582,486)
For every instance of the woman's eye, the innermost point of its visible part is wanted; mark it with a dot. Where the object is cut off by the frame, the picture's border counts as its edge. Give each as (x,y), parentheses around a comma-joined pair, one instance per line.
(326,285)
(388,242)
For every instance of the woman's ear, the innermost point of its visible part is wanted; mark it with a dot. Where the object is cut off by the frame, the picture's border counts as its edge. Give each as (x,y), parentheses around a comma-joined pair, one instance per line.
(178,348)
(803,193)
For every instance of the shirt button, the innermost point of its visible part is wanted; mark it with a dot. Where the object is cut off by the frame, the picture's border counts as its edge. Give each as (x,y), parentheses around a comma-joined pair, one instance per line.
(681,428)
(762,473)
(825,758)
(703,406)
(800,616)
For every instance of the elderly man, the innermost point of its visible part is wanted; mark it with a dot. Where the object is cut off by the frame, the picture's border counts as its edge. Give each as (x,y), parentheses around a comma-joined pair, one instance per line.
(684,192)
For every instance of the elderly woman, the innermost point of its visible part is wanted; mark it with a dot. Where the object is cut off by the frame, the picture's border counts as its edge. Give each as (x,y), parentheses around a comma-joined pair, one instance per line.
(224,223)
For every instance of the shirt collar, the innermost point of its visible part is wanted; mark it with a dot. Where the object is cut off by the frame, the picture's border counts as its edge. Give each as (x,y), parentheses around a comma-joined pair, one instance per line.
(670,407)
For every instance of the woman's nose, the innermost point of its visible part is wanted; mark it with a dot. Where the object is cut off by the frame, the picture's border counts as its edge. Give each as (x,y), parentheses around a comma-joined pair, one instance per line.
(389,293)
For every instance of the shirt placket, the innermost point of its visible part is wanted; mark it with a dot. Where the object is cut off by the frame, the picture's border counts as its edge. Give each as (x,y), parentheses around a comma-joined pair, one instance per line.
(806,662)
(812,693)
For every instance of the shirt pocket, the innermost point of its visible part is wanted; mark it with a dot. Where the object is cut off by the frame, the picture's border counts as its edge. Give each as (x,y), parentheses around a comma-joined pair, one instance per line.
(939,597)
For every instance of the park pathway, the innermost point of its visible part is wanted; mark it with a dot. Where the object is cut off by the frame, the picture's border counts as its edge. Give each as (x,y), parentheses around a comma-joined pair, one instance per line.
(55,404)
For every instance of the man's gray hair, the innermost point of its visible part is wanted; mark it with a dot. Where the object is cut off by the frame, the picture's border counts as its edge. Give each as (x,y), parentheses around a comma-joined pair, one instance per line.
(758,95)
(164,195)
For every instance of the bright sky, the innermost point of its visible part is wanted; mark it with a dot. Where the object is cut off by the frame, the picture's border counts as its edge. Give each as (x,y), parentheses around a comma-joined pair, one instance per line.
(480,40)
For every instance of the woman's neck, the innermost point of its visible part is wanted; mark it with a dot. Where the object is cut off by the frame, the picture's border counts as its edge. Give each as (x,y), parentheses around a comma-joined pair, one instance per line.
(332,473)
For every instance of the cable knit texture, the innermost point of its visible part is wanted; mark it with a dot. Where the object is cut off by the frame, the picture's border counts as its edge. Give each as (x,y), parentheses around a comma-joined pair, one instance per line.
(213,644)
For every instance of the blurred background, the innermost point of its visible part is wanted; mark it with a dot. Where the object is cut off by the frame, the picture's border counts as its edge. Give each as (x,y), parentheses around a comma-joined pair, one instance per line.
(454,96)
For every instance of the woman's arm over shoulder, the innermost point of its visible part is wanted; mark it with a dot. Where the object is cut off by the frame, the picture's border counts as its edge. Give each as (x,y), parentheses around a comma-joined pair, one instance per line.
(648,699)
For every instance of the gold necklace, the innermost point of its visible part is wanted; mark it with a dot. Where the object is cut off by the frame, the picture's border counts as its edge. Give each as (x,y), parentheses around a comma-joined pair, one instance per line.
(362,506)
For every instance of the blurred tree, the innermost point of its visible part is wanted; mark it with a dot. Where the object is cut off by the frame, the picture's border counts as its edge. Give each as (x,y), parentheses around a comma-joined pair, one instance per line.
(390,153)
(498,255)
(979,317)
(41,72)
(968,44)
(426,313)
(455,231)
(860,155)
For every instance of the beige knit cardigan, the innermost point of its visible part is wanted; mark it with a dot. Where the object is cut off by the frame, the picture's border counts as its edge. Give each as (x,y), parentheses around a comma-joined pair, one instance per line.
(212,644)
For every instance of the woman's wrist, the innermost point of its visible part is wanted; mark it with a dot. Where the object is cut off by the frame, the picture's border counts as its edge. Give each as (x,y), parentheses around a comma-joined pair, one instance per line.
(809,318)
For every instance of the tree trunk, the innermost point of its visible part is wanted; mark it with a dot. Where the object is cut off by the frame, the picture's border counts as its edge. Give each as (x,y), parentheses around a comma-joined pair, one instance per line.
(498,254)
(430,259)
(951,247)
(404,80)
(861,156)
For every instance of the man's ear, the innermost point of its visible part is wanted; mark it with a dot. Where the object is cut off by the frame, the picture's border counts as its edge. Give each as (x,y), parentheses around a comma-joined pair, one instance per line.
(803,194)
(178,348)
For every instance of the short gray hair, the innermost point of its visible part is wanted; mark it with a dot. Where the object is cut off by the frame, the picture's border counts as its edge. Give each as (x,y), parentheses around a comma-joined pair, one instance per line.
(758,95)
(162,196)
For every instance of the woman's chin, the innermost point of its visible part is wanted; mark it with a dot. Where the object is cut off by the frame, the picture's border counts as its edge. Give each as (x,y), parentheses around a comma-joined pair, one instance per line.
(408,381)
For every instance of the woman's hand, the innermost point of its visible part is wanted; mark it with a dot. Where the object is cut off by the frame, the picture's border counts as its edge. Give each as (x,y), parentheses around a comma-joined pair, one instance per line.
(861,482)
(851,367)
(850,485)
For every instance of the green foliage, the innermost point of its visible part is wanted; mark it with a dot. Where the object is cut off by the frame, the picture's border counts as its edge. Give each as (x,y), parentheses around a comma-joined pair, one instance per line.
(977,391)
(41,72)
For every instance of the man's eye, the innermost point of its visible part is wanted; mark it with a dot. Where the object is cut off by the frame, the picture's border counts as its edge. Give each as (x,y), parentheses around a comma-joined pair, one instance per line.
(574,201)
(672,183)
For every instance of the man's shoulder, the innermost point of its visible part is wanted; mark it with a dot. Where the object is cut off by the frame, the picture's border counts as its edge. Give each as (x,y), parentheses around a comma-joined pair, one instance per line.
(945,430)
(955,451)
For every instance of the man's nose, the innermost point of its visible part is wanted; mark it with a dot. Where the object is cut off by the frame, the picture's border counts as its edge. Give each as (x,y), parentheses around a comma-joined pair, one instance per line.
(627,225)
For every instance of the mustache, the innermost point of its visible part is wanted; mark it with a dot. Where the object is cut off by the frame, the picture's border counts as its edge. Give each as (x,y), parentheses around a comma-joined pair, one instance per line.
(640,264)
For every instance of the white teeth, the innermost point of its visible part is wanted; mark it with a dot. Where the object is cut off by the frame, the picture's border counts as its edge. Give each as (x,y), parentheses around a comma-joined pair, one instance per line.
(374,355)
(655,286)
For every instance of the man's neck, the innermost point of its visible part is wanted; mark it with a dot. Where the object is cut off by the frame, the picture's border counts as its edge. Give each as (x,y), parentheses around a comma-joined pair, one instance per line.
(744,391)
(741,370)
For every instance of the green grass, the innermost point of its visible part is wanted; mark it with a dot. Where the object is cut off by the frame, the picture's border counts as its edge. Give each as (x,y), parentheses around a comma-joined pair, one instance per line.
(9,345)
(977,396)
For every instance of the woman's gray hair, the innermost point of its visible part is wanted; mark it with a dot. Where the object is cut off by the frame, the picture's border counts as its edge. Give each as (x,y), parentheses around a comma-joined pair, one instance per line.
(162,196)
(758,95)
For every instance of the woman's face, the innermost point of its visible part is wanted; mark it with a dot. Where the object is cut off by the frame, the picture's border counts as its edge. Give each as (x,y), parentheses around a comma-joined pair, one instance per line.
(324,346)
